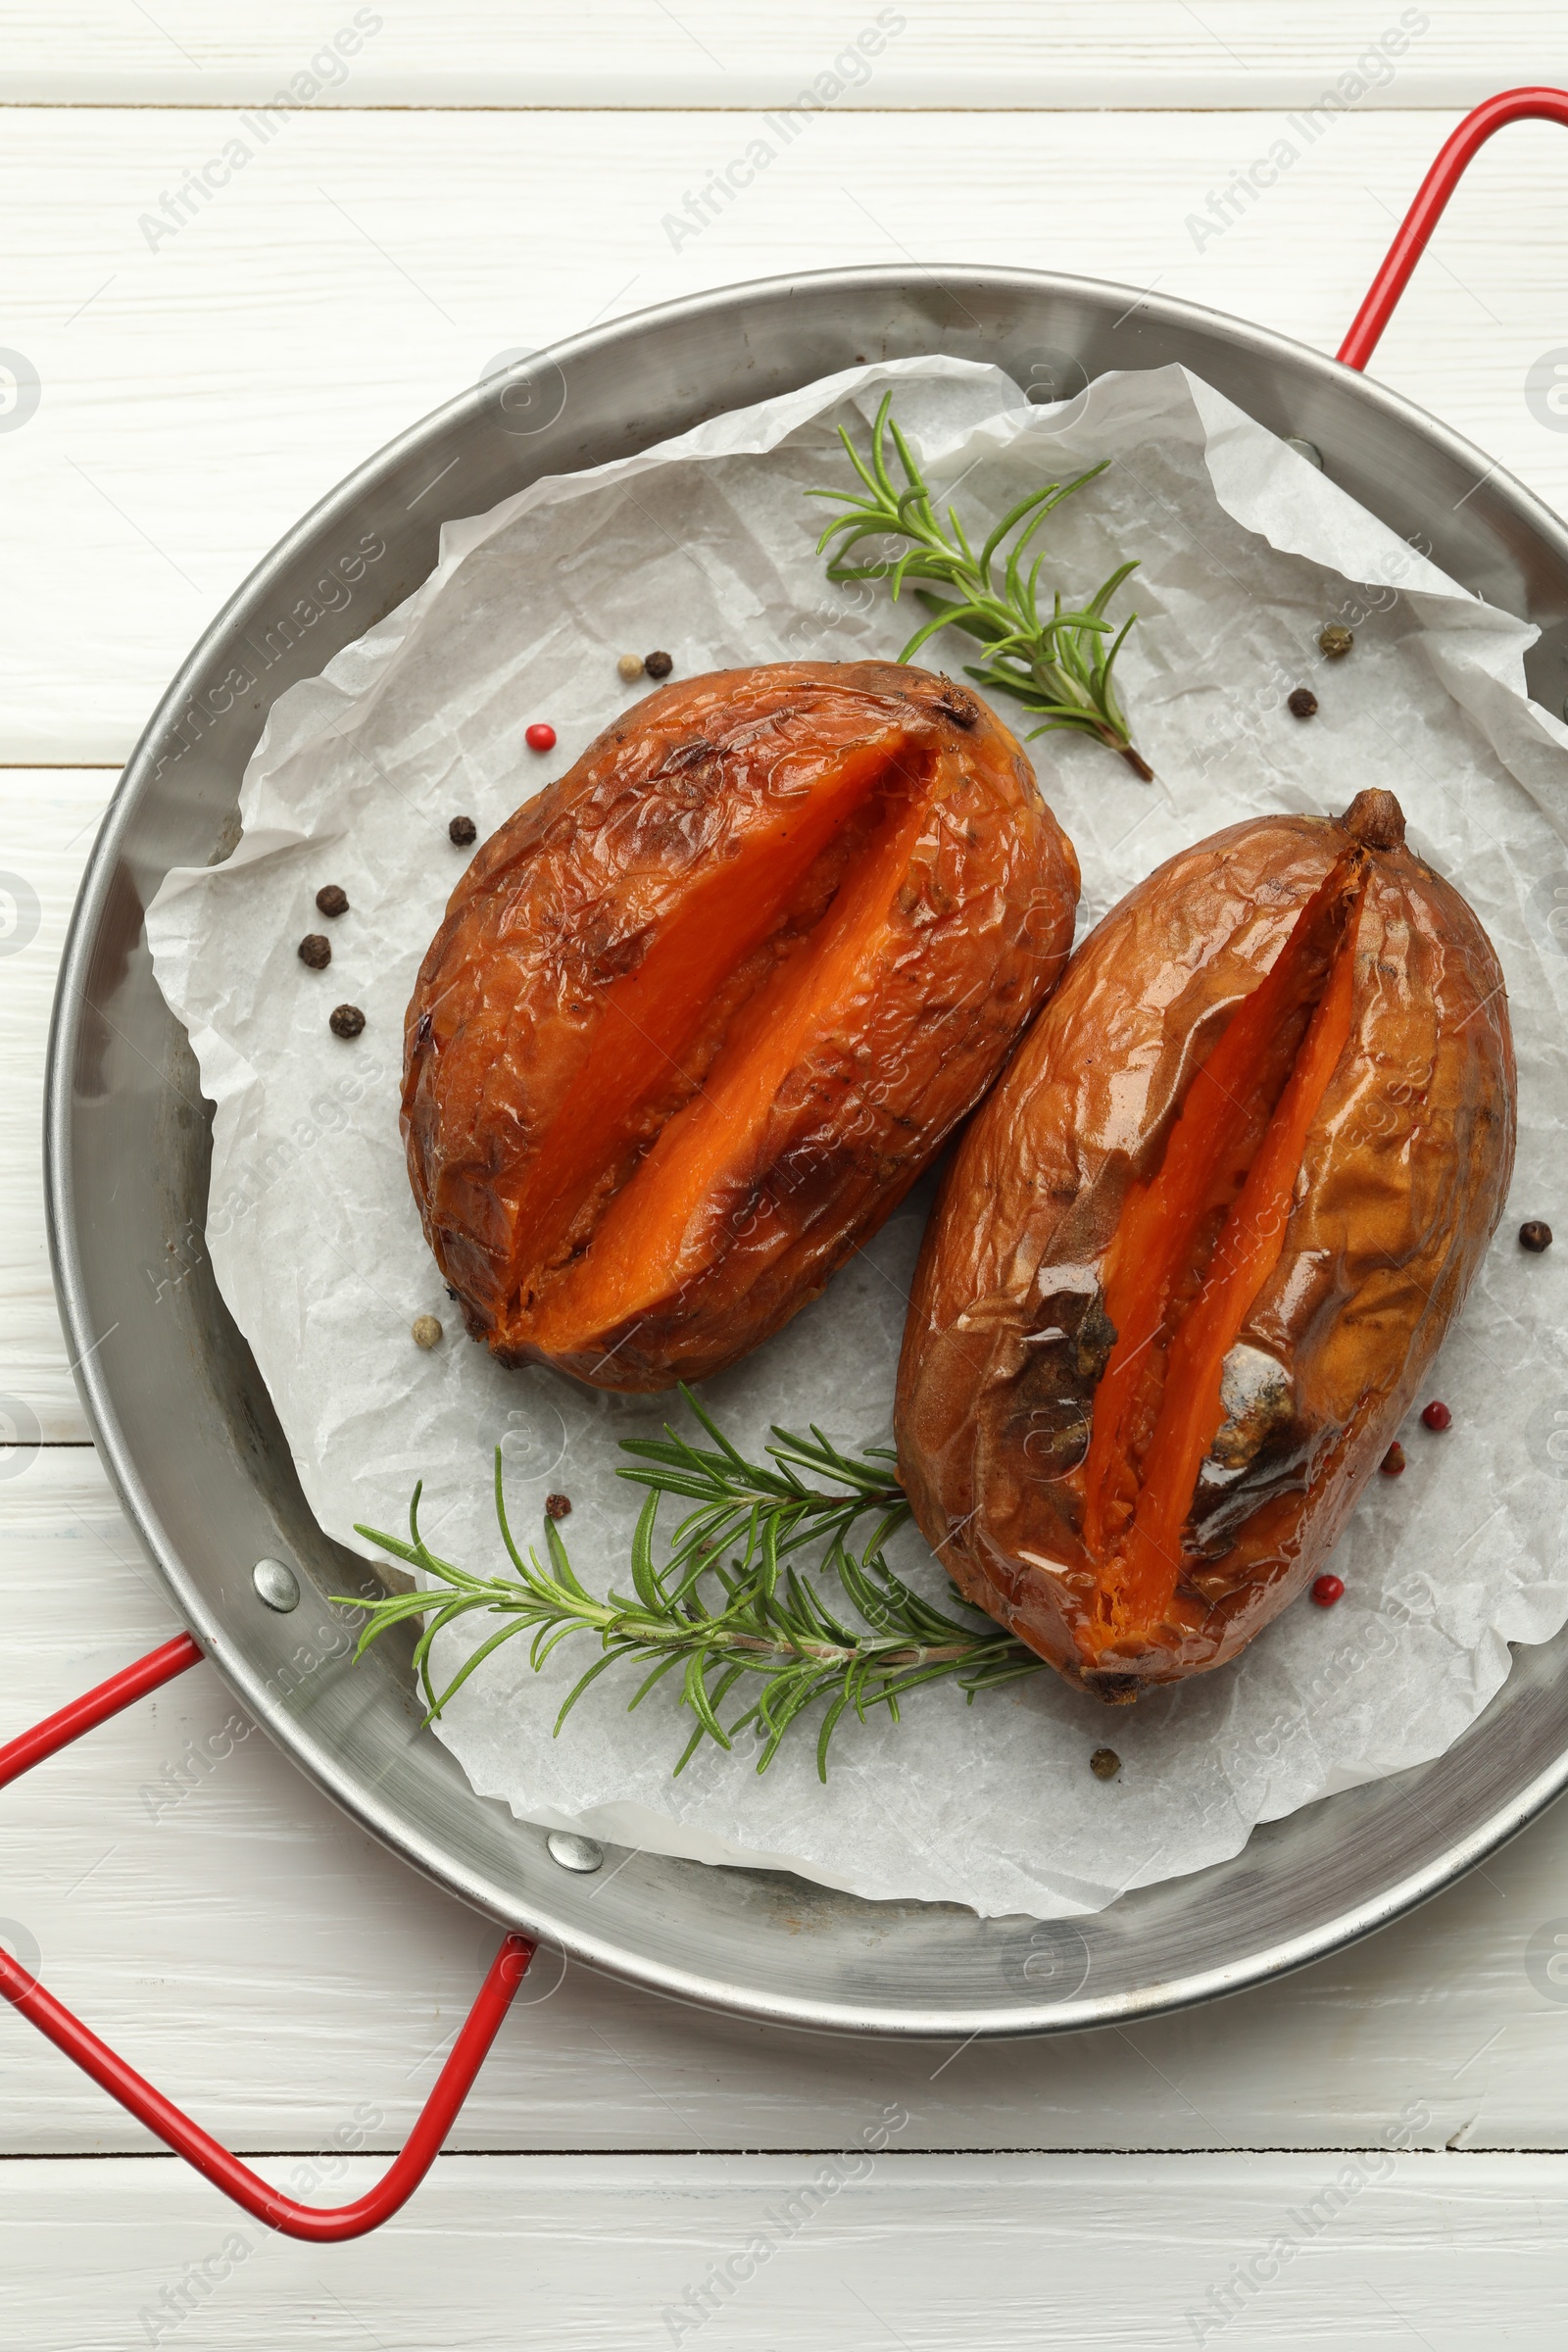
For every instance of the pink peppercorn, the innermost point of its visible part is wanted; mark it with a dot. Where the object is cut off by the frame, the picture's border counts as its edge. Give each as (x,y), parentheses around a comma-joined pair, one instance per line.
(1327,1591)
(1392,1461)
(540,737)
(1436,1416)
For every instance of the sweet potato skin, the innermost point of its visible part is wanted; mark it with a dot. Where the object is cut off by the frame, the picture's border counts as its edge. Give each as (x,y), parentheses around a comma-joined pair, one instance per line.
(1403,1176)
(968,887)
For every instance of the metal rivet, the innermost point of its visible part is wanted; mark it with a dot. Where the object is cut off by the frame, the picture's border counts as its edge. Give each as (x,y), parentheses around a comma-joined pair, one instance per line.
(278,1585)
(1308,450)
(573,1852)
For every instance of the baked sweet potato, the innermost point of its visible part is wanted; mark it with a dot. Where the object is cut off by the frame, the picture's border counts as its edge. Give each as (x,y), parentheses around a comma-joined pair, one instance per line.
(1193,1254)
(699,1015)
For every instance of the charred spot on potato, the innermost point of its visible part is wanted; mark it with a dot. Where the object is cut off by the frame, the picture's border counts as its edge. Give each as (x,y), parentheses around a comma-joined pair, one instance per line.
(1061,1358)
(1116,1690)
(961,708)
(1094,1339)
(1254,1393)
(1054,1435)
(614,958)
(1224,1505)
(1252,1456)
(801,1181)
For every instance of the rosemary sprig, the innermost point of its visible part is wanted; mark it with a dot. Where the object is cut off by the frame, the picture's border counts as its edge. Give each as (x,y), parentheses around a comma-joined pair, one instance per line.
(1057,664)
(717,1620)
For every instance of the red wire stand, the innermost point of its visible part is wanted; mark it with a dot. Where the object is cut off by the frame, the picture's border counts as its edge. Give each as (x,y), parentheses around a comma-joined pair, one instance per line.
(326,2223)
(323,2225)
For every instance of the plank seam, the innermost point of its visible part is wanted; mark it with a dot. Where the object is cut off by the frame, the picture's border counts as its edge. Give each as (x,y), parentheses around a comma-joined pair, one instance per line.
(1099,106)
(888,2155)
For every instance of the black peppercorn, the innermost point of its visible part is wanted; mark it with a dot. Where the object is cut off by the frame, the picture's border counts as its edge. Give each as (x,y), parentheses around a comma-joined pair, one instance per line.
(331,898)
(1104,1763)
(659,665)
(1534,1235)
(461,830)
(558,1506)
(347,1021)
(315,950)
(1302,703)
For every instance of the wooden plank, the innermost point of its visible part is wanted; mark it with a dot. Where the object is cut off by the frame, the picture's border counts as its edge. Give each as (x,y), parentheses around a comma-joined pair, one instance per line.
(637,53)
(197,397)
(271,1968)
(866,2247)
(48,819)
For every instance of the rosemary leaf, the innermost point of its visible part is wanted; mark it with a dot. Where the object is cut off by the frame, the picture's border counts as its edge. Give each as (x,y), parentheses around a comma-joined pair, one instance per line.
(1058,664)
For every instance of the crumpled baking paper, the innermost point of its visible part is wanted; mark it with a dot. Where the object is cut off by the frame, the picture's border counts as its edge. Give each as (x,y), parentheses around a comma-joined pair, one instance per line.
(706,545)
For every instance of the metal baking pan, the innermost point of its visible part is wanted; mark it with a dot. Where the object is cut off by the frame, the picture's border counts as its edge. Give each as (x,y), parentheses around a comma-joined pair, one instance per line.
(186,1428)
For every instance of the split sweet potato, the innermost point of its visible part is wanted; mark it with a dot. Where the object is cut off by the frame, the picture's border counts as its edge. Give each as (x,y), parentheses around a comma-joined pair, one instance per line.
(1194,1252)
(700,1014)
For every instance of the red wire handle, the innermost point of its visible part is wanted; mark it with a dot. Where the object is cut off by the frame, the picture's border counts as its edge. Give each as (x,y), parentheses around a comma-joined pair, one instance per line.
(1509,106)
(323,2225)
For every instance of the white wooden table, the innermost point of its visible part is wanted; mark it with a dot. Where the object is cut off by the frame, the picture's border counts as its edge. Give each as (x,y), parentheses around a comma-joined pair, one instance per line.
(471,178)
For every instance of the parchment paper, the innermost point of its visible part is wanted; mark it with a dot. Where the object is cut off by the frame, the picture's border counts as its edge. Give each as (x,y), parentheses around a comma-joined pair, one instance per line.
(705,547)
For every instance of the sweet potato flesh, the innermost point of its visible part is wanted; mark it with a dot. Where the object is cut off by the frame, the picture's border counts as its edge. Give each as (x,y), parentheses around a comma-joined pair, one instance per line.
(1195,1245)
(655,1227)
(649,1019)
